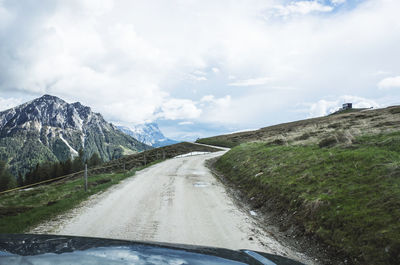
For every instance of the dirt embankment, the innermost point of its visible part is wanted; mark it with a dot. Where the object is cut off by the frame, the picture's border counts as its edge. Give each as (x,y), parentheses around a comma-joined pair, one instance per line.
(271,216)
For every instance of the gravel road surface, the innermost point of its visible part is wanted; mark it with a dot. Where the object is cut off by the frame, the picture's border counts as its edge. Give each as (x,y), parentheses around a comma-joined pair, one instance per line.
(176,201)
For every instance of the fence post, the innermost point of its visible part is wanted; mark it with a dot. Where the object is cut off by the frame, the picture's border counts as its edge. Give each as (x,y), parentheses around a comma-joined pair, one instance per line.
(163,155)
(144,158)
(86,177)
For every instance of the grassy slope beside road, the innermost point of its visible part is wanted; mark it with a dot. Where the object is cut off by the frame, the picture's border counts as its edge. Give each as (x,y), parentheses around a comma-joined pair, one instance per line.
(348,196)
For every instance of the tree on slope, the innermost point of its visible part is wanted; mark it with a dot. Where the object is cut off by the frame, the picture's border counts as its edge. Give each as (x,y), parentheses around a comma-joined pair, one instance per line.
(78,163)
(7,180)
(95,160)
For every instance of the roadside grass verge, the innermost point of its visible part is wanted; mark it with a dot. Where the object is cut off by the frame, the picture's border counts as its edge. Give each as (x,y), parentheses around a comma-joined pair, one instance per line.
(349,197)
(22,210)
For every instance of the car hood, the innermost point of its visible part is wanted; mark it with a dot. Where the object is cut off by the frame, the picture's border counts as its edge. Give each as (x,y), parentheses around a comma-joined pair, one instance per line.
(55,249)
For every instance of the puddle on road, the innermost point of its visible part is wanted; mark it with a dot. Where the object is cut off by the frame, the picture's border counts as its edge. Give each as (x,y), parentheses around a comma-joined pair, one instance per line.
(201,184)
(253,213)
(200,173)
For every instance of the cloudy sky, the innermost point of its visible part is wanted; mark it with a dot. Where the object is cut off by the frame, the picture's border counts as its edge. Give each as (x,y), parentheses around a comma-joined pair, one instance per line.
(200,67)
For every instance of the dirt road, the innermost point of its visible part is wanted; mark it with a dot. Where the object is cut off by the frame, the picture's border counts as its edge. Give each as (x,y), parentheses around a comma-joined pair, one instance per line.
(177,201)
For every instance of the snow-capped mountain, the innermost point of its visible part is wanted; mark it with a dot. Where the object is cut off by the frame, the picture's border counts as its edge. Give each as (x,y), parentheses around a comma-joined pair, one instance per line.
(50,129)
(147,133)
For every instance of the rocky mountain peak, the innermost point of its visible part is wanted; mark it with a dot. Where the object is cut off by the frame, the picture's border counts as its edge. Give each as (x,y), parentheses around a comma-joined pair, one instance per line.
(49,129)
(47,98)
(148,133)
(48,110)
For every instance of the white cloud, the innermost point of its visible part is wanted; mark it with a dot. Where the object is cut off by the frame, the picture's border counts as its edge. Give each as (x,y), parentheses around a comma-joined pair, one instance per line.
(197,75)
(215,70)
(338,2)
(137,61)
(5,16)
(302,7)
(324,107)
(251,82)
(185,123)
(174,109)
(381,72)
(7,103)
(200,78)
(218,102)
(218,110)
(389,82)
(208,98)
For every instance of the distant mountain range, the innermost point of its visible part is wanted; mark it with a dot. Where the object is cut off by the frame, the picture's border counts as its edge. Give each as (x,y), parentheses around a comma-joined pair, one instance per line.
(50,129)
(147,133)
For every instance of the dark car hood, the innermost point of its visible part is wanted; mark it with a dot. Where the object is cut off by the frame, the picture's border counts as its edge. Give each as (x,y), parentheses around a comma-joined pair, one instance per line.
(54,249)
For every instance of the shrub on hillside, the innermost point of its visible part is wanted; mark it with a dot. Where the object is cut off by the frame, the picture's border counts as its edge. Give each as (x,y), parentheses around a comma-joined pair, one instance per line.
(328,142)
(304,136)
(278,142)
(395,110)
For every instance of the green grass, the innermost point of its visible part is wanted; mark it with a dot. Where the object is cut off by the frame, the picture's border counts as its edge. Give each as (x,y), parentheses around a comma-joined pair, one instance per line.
(22,210)
(218,141)
(348,196)
(347,111)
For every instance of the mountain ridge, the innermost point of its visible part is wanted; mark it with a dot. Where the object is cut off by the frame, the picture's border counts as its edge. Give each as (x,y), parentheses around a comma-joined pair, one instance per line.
(50,129)
(148,133)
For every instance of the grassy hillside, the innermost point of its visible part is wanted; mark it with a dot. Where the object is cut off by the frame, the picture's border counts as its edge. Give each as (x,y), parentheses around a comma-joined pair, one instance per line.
(335,177)
(342,126)
(348,195)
